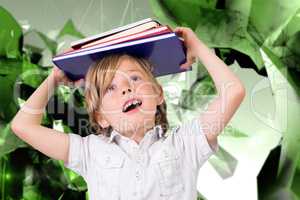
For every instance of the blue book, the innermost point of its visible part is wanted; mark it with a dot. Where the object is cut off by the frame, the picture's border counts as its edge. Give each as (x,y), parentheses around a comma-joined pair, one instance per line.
(166,52)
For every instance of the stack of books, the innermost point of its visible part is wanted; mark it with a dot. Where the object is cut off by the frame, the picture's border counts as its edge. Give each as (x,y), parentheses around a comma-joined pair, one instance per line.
(146,38)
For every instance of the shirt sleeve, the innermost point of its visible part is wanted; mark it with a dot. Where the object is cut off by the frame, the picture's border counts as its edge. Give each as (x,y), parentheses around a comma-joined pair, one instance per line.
(79,154)
(193,143)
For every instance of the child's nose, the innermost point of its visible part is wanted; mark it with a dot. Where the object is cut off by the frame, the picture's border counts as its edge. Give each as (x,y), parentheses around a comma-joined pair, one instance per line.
(124,91)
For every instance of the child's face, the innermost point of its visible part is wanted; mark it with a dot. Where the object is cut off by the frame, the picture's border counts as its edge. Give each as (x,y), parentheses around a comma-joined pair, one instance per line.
(130,85)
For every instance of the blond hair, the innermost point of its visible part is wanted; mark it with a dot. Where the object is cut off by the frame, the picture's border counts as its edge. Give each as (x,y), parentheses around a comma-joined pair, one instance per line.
(98,80)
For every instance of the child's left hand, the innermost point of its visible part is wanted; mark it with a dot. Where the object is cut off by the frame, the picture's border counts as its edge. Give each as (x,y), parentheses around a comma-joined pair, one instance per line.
(192,44)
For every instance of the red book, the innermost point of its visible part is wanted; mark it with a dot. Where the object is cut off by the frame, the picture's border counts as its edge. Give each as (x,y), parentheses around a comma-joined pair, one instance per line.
(119,31)
(100,43)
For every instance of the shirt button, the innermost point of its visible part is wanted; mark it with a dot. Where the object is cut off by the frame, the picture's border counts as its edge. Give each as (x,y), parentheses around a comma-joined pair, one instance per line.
(107,159)
(166,154)
(138,175)
(139,158)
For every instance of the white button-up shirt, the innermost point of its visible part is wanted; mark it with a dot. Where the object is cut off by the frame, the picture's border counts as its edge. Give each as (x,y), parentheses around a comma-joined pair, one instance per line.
(160,167)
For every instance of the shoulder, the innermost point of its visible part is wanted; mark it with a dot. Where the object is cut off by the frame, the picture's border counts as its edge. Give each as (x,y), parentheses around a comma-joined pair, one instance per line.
(188,127)
(91,142)
(190,134)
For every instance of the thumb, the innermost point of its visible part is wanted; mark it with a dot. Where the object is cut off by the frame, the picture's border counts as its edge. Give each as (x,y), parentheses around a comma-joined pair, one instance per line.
(189,61)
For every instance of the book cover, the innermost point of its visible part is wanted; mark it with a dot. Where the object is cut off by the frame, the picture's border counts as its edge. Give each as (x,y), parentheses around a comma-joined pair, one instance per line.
(166,53)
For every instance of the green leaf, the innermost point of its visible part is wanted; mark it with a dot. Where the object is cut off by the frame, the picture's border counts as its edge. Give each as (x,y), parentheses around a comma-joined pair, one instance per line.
(200,196)
(70,29)
(9,69)
(51,44)
(174,116)
(230,131)
(33,75)
(61,196)
(243,7)
(288,52)
(217,28)
(10,74)
(200,93)
(60,126)
(268,18)
(224,163)
(227,29)
(286,93)
(296,182)
(291,57)
(163,14)
(31,192)
(274,61)
(185,12)
(35,41)
(288,31)
(10,35)
(75,182)
(8,140)
(285,47)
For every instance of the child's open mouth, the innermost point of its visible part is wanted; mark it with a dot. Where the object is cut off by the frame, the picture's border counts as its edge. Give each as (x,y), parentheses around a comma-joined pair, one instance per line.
(131,105)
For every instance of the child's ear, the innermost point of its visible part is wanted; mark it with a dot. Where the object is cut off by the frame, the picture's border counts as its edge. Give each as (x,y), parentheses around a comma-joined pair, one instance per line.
(101,120)
(161,98)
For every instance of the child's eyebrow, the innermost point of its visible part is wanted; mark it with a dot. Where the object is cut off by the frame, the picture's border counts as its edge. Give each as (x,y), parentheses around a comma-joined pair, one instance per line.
(133,70)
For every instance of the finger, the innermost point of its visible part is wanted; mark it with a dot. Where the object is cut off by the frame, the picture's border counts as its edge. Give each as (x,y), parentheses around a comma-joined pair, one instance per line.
(186,65)
(190,61)
(66,81)
(179,33)
(182,30)
(179,29)
(79,83)
(190,58)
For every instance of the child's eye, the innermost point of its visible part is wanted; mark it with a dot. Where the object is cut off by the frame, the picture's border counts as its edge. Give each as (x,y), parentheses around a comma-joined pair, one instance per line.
(111,88)
(135,77)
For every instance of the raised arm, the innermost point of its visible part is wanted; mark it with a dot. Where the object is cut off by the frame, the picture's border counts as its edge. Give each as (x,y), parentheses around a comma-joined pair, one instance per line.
(27,122)
(230,90)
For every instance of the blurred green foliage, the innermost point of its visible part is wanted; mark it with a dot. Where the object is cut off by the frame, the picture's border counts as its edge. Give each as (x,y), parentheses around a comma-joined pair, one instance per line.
(266,36)
(262,35)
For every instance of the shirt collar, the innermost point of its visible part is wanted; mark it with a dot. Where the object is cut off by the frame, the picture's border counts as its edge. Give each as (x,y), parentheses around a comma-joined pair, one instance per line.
(155,133)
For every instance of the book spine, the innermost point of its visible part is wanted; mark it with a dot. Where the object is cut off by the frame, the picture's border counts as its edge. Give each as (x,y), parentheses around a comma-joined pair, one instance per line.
(160,31)
(130,43)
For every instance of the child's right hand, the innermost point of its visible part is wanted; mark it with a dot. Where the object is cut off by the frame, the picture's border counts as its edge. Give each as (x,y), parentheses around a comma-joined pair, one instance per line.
(192,43)
(61,79)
